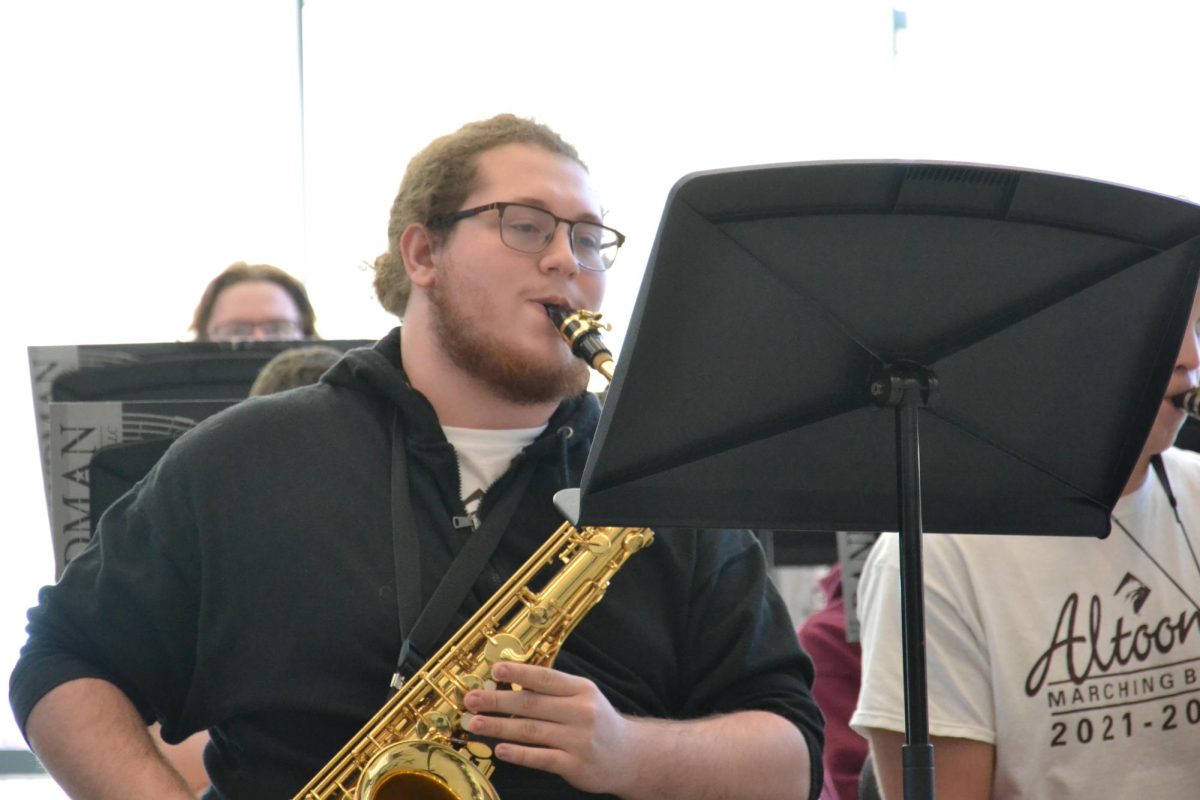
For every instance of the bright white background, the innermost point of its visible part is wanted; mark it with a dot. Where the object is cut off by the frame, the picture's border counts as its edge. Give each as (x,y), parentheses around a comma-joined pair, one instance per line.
(146,144)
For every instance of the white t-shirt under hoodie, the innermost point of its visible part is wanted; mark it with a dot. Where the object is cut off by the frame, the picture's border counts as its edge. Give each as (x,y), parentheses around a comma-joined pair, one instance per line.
(484,455)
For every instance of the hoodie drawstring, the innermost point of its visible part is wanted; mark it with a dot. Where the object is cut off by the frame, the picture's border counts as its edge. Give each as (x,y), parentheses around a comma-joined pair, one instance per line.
(564,433)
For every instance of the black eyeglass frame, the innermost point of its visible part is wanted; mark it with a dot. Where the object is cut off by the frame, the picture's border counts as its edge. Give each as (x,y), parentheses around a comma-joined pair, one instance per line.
(447,220)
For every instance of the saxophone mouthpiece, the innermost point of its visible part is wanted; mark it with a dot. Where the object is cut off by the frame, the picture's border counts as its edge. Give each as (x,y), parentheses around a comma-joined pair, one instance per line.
(1189,401)
(581,330)
(557,314)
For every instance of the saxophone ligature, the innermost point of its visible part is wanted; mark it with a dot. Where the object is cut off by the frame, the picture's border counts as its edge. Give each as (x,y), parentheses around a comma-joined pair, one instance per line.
(414,748)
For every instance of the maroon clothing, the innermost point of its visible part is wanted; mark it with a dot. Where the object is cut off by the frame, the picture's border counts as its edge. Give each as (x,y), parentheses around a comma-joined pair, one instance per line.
(839,670)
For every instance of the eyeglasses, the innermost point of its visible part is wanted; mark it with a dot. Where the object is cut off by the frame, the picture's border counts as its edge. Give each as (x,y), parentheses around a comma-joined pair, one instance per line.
(530,230)
(275,329)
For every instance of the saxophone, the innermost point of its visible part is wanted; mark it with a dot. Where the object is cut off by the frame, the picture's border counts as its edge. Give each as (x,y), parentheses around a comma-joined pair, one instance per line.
(414,747)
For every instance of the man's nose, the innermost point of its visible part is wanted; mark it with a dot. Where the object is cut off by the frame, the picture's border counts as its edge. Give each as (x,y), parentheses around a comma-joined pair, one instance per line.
(559,255)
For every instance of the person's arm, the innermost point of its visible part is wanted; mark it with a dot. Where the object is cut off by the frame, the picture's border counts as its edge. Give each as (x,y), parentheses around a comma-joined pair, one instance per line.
(561,723)
(95,745)
(962,768)
(960,701)
(187,757)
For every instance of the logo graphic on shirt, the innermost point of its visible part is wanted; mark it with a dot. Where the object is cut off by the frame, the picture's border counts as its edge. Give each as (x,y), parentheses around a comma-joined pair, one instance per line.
(1119,667)
(1108,654)
(1134,590)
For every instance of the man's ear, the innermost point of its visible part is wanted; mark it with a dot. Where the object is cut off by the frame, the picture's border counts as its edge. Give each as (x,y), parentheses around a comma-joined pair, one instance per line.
(417,247)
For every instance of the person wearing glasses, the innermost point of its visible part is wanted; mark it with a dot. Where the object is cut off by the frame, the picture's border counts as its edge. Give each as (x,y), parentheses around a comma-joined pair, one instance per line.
(254,302)
(261,582)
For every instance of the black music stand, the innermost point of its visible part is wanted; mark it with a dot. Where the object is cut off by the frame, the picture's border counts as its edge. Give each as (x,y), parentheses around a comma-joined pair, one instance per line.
(181,371)
(824,346)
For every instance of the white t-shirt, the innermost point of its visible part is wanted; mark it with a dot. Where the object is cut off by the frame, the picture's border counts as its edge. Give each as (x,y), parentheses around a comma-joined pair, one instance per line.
(1079,659)
(484,455)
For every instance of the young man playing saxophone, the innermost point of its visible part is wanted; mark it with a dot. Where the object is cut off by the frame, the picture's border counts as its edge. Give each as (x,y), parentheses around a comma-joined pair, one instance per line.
(251,585)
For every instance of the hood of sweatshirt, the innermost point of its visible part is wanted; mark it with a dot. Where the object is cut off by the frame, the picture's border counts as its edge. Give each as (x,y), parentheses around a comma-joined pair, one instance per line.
(377,371)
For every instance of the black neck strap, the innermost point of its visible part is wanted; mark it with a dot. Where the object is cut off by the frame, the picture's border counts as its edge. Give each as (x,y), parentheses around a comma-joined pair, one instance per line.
(424,627)
(1160,470)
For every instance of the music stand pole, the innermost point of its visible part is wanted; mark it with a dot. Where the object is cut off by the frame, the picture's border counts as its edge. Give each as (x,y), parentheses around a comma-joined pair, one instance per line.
(906,387)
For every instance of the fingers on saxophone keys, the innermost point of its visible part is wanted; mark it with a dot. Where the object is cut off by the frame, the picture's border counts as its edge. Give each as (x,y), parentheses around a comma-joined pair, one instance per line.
(477,725)
(531,676)
(474,723)
(502,701)
(477,701)
(508,729)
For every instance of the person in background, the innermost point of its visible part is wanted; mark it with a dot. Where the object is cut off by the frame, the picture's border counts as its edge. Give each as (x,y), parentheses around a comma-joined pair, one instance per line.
(296,366)
(254,302)
(259,583)
(838,666)
(1058,667)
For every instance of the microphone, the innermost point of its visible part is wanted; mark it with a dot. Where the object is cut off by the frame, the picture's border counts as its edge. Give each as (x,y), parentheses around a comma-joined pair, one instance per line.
(1189,401)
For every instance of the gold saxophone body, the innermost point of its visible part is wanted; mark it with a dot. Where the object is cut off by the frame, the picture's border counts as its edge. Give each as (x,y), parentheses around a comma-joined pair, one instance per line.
(414,748)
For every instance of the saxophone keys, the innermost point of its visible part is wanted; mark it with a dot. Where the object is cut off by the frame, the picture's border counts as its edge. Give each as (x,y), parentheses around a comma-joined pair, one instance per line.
(481,754)
(478,750)
(637,541)
(504,647)
(599,543)
(434,722)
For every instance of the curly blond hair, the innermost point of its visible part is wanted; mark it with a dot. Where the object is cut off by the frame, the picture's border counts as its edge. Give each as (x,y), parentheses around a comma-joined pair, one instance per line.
(439,179)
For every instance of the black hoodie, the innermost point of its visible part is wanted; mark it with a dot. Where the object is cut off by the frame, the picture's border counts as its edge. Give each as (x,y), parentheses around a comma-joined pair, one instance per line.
(248,586)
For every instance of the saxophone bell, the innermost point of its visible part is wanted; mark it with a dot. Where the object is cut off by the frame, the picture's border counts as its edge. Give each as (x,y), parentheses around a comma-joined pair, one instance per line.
(419,769)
